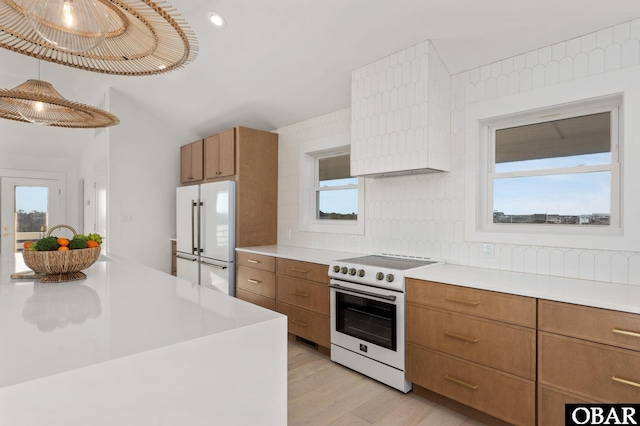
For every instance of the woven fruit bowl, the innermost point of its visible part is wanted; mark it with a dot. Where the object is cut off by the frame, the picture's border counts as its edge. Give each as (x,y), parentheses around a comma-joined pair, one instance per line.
(60,266)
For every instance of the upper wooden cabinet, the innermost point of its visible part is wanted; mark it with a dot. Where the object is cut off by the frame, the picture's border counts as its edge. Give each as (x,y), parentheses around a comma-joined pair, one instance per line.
(220,155)
(191,162)
(250,158)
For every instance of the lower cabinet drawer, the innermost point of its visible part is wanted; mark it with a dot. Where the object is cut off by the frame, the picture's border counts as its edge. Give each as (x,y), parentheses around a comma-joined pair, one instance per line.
(551,405)
(502,395)
(594,370)
(256,299)
(256,281)
(305,294)
(306,324)
(495,344)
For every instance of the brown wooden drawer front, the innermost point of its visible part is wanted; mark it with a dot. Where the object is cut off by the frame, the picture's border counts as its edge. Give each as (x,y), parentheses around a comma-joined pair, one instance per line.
(304,270)
(588,369)
(495,344)
(256,299)
(304,294)
(501,395)
(306,324)
(257,261)
(257,281)
(599,325)
(517,310)
(551,405)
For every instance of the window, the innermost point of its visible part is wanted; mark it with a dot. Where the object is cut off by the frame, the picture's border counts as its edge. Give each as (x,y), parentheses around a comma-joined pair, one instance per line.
(336,190)
(554,169)
(332,200)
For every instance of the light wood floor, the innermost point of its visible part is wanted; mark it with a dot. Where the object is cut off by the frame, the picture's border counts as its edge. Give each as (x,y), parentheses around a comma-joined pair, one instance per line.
(322,392)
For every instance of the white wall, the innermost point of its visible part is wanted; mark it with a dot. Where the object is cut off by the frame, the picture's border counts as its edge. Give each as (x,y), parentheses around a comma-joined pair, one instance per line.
(425,215)
(144,165)
(36,163)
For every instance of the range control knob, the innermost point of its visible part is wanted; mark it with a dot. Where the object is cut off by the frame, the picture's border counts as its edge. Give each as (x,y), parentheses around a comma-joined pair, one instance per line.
(336,268)
(379,276)
(344,269)
(361,273)
(352,271)
(390,277)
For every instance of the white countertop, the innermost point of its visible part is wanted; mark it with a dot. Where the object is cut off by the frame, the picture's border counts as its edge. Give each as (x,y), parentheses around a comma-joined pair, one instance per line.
(300,253)
(620,297)
(122,313)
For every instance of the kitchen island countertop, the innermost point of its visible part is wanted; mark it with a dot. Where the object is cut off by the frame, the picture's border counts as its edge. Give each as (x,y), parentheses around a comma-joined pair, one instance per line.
(130,345)
(598,294)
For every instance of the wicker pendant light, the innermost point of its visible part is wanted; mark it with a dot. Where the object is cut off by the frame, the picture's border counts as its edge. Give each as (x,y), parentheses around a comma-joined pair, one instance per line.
(72,25)
(37,102)
(120,37)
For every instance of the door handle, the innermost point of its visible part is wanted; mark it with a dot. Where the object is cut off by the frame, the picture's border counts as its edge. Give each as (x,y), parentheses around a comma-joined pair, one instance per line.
(213,265)
(185,258)
(193,229)
(362,292)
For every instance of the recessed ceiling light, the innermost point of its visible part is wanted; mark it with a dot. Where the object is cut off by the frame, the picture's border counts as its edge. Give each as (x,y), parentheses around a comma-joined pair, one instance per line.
(216,19)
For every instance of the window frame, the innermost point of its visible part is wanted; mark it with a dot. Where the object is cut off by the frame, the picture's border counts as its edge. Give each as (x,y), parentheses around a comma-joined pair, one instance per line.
(616,87)
(319,189)
(612,105)
(310,154)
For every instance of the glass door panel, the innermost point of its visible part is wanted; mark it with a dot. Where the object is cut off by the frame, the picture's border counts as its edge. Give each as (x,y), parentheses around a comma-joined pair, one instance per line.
(31,214)
(28,208)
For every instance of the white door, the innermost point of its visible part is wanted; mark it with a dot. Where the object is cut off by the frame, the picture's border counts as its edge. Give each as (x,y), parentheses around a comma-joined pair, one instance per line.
(188,269)
(186,219)
(217,275)
(217,217)
(30,206)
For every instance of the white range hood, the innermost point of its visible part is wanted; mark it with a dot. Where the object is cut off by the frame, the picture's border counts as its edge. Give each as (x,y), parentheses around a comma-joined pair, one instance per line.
(400,114)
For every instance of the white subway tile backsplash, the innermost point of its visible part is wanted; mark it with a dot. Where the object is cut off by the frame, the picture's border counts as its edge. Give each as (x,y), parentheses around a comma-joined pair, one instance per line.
(613,57)
(588,42)
(587,265)
(602,267)
(581,66)
(565,71)
(538,77)
(604,37)
(573,47)
(596,61)
(424,215)
(619,268)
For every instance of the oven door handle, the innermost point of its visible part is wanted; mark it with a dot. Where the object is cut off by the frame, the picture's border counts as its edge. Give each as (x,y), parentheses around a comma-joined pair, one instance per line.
(362,292)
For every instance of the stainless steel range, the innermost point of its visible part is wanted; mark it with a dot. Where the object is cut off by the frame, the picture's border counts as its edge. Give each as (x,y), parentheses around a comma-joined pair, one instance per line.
(368,315)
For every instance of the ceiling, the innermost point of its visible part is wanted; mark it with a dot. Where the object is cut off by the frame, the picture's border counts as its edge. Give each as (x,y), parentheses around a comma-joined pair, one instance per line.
(280,62)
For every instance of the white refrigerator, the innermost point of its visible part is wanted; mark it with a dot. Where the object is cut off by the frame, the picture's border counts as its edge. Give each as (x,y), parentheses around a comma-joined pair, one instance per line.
(205,234)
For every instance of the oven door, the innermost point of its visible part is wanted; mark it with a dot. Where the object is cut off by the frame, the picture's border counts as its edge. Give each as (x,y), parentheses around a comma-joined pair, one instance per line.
(368,321)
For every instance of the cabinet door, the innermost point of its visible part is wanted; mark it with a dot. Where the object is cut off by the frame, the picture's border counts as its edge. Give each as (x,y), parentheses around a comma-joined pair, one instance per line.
(191,162)
(219,155)
(185,163)
(227,156)
(197,160)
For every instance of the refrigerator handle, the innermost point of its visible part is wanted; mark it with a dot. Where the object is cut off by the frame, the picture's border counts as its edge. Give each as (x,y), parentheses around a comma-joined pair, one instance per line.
(186,258)
(193,233)
(213,265)
(200,250)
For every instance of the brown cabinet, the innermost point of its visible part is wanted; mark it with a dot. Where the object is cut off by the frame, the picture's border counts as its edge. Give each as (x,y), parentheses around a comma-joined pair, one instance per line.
(585,354)
(256,279)
(220,155)
(250,158)
(302,294)
(192,162)
(473,346)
